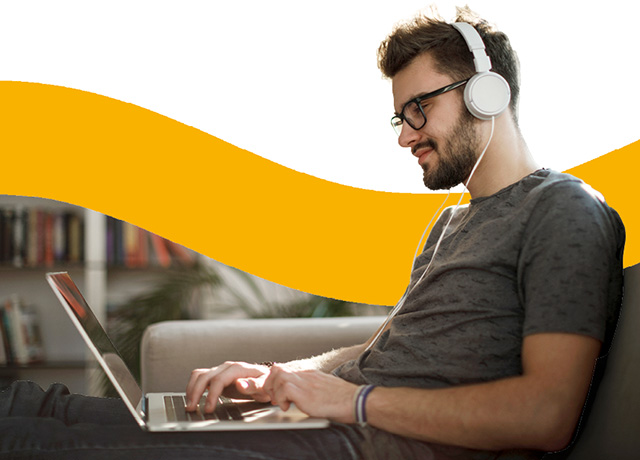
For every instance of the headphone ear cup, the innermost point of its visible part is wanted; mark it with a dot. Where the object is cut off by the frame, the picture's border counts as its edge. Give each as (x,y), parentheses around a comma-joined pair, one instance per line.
(487,95)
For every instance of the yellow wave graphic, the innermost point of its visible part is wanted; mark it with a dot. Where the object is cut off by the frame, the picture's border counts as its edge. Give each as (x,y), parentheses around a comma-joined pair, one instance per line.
(227,203)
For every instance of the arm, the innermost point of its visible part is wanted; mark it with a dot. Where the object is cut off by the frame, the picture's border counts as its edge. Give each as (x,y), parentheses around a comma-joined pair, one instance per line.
(239,380)
(243,379)
(328,361)
(537,410)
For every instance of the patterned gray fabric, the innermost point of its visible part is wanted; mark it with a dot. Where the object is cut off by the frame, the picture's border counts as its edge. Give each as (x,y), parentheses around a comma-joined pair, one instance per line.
(542,255)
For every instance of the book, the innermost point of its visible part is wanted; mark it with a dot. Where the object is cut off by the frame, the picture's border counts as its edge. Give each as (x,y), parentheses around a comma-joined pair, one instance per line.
(36,237)
(47,251)
(59,240)
(22,339)
(6,235)
(32,238)
(133,247)
(4,345)
(19,237)
(17,338)
(184,256)
(74,238)
(32,335)
(160,251)
(6,339)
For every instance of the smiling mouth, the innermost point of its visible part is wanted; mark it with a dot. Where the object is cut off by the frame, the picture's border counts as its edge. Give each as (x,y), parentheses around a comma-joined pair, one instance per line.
(423,150)
(423,155)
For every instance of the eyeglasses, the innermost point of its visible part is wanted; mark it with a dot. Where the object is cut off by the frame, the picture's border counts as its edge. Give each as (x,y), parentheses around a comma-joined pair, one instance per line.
(413,113)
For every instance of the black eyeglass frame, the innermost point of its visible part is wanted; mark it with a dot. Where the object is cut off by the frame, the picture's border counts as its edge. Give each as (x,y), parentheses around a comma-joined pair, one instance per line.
(399,119)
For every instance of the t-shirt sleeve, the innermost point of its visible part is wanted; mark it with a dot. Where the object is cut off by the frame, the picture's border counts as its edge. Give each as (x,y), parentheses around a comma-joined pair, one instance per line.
(570,267)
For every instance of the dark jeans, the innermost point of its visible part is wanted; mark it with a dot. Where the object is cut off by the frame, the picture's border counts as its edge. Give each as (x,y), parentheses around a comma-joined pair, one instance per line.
(54,424)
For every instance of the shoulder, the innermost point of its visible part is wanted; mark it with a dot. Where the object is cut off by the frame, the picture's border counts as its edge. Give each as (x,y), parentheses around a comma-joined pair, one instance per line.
(555,186)
(450,218)
(569,198)
(566,208)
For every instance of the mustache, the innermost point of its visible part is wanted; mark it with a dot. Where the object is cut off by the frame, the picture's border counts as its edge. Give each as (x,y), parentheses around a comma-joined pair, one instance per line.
(429,143)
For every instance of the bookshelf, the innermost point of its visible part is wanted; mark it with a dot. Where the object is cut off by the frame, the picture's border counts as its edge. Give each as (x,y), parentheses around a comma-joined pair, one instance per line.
(26,254)
(109,260)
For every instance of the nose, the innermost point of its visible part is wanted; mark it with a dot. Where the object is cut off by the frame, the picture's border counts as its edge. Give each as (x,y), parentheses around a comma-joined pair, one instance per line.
(408,136)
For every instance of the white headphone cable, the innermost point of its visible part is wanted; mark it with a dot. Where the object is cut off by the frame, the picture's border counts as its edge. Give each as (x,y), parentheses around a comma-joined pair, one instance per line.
(400,303)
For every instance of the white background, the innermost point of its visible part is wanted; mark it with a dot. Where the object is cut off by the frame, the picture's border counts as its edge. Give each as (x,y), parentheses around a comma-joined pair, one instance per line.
(297,82)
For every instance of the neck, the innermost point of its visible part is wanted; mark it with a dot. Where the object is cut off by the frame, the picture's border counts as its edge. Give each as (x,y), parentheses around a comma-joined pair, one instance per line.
(506,161)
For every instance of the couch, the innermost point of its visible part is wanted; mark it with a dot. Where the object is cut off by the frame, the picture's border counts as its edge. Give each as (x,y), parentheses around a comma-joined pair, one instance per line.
(609,429)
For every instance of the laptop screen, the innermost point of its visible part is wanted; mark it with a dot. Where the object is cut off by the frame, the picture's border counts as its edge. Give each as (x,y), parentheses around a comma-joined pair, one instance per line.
(93,333)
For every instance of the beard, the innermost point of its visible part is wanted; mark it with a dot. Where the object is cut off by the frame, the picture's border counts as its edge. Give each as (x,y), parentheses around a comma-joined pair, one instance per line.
(456,156)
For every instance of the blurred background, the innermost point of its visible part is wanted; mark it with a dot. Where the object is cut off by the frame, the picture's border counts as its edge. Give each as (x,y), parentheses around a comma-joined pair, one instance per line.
(130,277)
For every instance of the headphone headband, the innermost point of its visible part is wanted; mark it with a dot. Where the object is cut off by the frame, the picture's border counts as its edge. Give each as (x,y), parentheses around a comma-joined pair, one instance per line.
(471,36)
(487,93)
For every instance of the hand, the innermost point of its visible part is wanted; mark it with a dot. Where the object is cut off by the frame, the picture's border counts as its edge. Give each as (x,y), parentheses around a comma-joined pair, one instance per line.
(246,379)
(314,392)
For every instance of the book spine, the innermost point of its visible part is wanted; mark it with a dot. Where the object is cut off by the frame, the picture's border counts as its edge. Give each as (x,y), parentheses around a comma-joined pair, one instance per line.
(19,237)
(48,257)
(32,335)
(32,241)
(5,348)
(6,235)
(183,255)
(21,336)
(160,250)
(59,238)
(74,239)
(18,336)
(130,242)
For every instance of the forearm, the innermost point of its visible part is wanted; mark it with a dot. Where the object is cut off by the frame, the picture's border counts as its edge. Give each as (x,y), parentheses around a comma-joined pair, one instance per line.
(328,361)
(538,409)
(498,415)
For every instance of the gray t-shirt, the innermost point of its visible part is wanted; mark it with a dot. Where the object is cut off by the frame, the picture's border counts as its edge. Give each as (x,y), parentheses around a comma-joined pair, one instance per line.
(542,255)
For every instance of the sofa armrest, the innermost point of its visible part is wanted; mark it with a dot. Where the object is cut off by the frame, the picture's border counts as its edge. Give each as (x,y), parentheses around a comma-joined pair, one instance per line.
(171,350)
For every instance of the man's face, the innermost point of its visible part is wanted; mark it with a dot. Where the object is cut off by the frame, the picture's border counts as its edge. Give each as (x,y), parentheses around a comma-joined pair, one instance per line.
(447,146)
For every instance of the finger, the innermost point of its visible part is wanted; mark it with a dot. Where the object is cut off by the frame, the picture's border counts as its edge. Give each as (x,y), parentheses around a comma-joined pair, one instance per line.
(285,395)
(248,387)
(253,387)
(195,390)
(212,399)
(270,382)
(200,382)
(215,386)
(192,378)
(280,386)
(216,380)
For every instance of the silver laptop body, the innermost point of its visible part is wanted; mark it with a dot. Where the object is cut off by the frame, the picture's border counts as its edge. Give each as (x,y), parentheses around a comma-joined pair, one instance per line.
(165,411)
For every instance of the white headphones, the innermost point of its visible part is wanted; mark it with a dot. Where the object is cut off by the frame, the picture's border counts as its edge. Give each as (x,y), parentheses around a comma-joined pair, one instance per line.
(487,93)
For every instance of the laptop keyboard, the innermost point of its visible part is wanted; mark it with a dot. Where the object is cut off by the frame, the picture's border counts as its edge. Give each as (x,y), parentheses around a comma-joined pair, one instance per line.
(176,412)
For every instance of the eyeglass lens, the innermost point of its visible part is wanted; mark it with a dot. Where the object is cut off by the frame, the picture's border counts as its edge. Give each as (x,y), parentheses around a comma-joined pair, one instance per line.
(412,114)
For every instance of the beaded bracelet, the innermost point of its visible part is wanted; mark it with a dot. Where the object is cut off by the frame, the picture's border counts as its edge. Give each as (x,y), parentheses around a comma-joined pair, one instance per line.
(359,402)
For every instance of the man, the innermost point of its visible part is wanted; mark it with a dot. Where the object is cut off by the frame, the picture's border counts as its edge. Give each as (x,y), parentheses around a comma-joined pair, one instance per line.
(511,334)
(494,346)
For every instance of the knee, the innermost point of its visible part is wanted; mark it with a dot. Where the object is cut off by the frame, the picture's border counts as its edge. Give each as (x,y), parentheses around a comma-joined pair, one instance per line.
(27,399)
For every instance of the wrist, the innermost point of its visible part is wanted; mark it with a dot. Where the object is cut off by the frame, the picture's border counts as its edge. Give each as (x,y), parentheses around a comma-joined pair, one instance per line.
(360,402)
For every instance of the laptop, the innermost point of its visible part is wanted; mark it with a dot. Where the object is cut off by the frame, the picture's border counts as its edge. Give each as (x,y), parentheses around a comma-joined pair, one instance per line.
(166,411)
